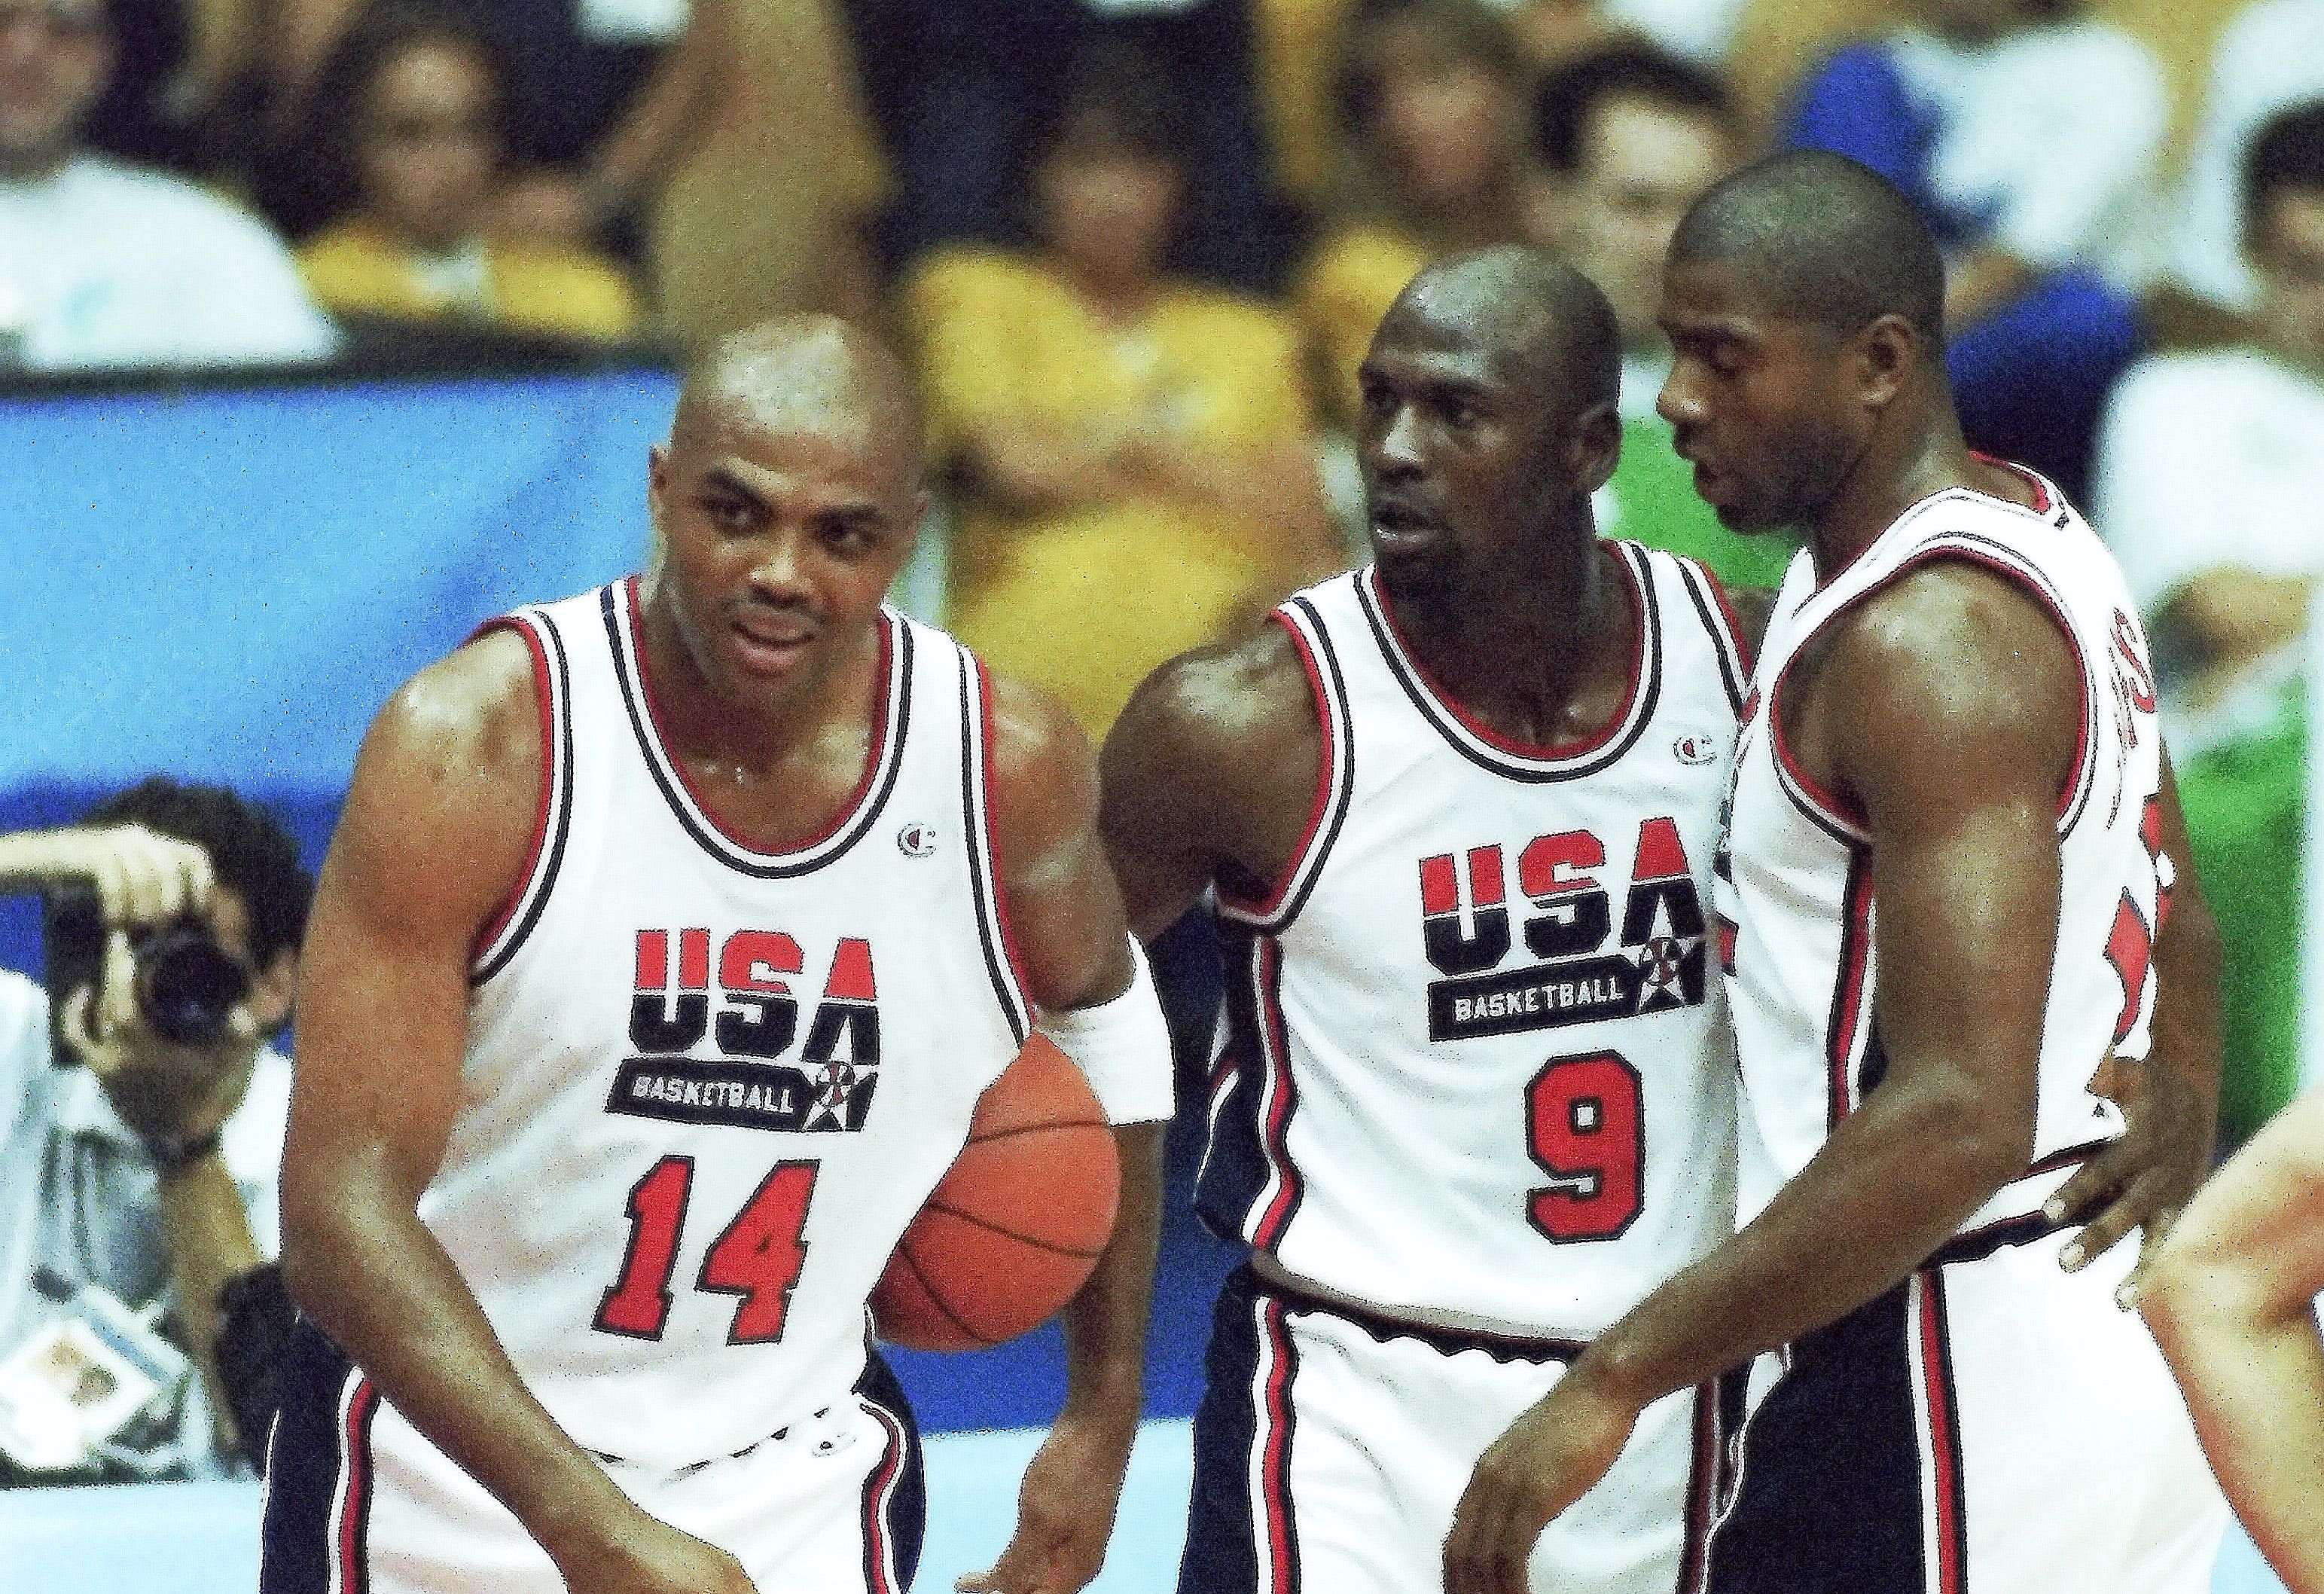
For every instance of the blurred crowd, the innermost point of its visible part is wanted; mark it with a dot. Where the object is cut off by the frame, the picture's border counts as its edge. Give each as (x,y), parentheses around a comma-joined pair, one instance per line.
(1137,248)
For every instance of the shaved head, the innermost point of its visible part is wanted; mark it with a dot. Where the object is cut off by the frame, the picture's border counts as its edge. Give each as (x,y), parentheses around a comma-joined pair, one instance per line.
(806,374)
(1546,323)
(1823,241)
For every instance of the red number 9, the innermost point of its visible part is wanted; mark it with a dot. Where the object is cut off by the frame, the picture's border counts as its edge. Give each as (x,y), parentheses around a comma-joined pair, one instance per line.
(1587,1130)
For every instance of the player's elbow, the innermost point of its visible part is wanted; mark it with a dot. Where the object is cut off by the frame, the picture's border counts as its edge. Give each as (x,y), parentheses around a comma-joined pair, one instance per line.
(1976,1139)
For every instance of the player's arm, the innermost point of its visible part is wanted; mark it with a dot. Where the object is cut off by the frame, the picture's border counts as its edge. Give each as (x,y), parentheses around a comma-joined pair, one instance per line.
(2231,1298)
(1098,1004)
(1949,705)
(1210,773)
(2170,1102)
(435,832)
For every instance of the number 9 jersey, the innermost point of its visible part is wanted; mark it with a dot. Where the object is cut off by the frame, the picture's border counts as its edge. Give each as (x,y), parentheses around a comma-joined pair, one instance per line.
(1476,1067)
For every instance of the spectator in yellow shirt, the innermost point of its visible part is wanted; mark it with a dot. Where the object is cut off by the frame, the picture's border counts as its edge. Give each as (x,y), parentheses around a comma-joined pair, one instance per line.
(1430,97)
(410,104)
(1132,452)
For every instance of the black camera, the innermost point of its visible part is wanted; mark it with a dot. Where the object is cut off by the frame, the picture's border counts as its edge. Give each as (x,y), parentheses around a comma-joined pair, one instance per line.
(187,986)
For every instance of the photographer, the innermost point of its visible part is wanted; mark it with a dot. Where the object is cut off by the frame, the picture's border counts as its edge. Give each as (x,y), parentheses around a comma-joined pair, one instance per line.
(141,1130)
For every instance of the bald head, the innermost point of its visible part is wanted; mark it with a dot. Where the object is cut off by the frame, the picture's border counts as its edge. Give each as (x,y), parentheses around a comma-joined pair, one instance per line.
(1546,323)
(1824,241)
(808,373)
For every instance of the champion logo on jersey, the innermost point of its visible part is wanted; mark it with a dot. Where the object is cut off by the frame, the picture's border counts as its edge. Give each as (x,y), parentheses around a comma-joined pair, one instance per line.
(753,1079)
(1579,972)
(1696,749)
(917,841)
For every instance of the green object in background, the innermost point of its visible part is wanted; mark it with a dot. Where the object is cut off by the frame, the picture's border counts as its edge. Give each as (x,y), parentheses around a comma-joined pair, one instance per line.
(1655,504)
(2246,801)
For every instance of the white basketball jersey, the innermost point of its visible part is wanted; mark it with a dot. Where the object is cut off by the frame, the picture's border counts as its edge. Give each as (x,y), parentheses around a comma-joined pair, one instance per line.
(1795,897)
(707,1086)
(1473,1071)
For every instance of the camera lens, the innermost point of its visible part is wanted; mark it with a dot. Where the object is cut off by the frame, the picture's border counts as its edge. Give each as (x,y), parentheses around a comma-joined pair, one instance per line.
(187,985)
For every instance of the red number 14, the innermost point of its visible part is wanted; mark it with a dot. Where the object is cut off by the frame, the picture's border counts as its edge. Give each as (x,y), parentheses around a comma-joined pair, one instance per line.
(757,1257)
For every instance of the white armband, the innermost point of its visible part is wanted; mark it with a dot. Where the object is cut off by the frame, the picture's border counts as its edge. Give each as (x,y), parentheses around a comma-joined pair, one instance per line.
(1122,1048)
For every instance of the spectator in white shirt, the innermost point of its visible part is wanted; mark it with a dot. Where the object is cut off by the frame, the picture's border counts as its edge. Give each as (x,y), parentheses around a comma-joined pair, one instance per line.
(106,265)
(144,1166)
(2211,467)
(2270,57)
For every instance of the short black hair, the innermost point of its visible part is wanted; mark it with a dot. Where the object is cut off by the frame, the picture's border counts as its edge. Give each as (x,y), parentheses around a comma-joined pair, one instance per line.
(248,846)
(1832,242)
(2286,155)
(1571,94)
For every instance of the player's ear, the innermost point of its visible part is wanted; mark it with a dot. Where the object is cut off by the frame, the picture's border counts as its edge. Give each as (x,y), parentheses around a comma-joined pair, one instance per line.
(1886,351)
(1593,447)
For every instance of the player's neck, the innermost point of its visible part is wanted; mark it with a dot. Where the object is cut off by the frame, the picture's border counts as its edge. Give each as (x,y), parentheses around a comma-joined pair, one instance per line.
(1524,650)
(1887,478)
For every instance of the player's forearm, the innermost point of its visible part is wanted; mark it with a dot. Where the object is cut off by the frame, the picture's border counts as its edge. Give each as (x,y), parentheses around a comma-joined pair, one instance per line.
(1105,1324)
(360,1263)
(210,1241)
(1896,1179)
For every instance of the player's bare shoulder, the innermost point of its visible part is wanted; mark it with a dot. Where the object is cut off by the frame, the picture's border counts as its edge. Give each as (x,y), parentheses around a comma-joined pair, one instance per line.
(447,785)
(1214,759)
(1044,787)
(1949,668)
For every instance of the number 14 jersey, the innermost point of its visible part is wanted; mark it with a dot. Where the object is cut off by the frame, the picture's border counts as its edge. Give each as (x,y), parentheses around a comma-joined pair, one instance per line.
(1476,1068)
(708,1085)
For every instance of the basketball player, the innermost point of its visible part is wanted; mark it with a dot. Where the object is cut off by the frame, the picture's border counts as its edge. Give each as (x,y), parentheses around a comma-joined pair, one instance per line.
(1475,1097)
(668,939)
(1942,897)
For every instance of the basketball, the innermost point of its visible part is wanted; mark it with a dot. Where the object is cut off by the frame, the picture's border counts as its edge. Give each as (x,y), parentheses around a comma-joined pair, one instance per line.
(1009,1235)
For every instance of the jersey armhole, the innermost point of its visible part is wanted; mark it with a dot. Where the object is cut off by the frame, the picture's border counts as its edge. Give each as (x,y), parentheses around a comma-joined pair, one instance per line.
(1846,820)
(1002,960)
(1334,778)
(497,939)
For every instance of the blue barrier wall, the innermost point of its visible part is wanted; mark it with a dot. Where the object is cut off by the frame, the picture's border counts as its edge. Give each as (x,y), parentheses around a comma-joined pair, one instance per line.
(224,585)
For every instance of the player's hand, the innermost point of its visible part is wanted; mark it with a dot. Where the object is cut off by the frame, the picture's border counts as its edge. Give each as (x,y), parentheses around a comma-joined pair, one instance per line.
(1550,1458)
(1065,1512)
(2144,1179)
(639,1555)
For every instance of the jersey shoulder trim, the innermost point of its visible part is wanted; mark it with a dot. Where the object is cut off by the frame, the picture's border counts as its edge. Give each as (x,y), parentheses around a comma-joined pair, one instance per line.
(1844,820)
(502,934)
(1712,606)
(1335,776)
(619,605)
(1518,761)
(999,942)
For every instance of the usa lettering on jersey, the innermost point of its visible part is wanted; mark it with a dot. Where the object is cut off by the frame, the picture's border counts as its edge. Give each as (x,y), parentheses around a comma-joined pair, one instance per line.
(751,1079)
(1575,969)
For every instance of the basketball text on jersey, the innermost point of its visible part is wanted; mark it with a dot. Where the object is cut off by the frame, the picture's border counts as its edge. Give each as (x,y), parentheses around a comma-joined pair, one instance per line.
(1573,968)
(758,1073)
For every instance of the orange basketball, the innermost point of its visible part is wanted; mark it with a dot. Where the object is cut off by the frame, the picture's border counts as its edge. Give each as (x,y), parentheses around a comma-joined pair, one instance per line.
(1009,1233)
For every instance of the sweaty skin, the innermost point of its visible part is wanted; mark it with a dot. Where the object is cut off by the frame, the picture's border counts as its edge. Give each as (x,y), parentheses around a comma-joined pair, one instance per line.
(783,505)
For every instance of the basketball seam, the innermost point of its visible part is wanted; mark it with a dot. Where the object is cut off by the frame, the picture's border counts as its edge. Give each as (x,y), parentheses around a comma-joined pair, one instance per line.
(985,1223)
(1017,1129)
(927,1287)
